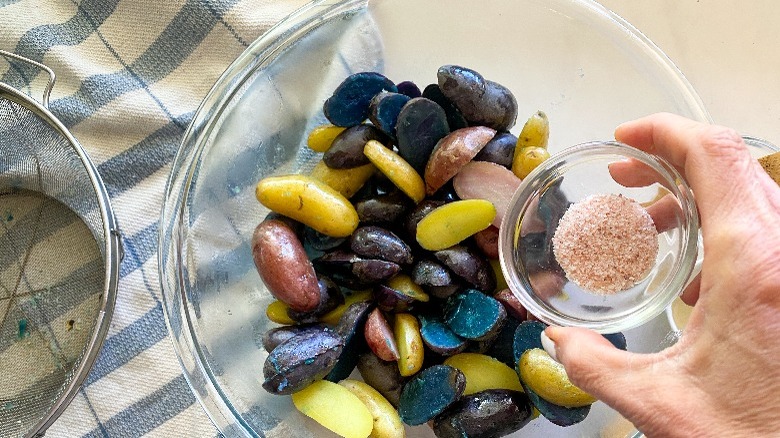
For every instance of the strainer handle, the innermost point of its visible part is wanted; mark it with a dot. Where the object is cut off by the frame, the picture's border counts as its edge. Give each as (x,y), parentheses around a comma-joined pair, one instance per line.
(50,72)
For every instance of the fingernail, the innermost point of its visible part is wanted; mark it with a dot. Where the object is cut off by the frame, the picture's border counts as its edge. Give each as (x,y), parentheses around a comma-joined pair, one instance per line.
(549,346)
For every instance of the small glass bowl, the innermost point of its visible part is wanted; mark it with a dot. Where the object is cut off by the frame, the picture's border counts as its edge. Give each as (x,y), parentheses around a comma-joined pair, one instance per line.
(526,250)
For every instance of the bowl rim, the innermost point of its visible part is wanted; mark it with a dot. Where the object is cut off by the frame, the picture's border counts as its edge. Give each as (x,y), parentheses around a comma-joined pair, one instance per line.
(553,168)
(259,54)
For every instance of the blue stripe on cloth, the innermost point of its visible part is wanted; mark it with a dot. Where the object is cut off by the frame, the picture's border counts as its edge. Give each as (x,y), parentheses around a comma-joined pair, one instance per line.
(119,349)
(149,412)
(8,2)
(179,39)
(139,248)
(125,170)
(37,41)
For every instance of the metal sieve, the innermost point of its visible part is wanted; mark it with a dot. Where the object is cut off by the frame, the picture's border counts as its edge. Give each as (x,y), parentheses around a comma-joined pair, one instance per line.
(60,251)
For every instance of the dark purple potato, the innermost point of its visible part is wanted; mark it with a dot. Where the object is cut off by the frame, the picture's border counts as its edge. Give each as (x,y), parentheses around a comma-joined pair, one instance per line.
(443,292)
(487,414)
(346,151)
(503,346)
(376,242)
(445,193)
(455,119)
(438,337)
(272,338)
(378,209)
(300,360)
(350,327)
(352,271)
(427,272)
(499,150)
(316,241)
(429,393)
(421,124)
(384,110)
(409,88)
(558,415)
(470,266)
(391,300)
(482,102)
(382,376)
(348,106)
(372,271)
(474,315)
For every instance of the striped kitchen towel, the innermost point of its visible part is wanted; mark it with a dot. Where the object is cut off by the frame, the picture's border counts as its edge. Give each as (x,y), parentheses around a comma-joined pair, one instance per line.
(130,75)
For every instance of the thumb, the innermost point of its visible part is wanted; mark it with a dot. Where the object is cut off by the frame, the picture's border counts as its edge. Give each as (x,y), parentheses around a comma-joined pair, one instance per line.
(593,364)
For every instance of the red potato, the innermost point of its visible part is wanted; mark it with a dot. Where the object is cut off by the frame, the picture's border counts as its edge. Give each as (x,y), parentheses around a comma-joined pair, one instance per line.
(284,267)
(487,242)
(512,304)
(452,152)
(486,180)
(379,337)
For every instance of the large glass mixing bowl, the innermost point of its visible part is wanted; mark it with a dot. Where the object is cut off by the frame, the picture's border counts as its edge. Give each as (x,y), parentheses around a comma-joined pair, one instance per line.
(585,67)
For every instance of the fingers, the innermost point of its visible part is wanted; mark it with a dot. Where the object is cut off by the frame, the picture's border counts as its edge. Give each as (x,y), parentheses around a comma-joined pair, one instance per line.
(714,159)
(665,213)
(597,367)
(691,293)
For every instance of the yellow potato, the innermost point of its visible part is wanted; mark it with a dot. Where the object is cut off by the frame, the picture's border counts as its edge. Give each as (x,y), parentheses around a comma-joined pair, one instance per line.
(387,422)
(404,284)
(345,181)
(453,222)
(410,344)
(336,408)
(277,312)
(535,132)
(484,372)
(309,201)
(548,378)
(401,173)
(321,137)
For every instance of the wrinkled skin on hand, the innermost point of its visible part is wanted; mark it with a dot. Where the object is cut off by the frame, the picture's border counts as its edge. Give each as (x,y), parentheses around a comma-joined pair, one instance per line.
(721,378)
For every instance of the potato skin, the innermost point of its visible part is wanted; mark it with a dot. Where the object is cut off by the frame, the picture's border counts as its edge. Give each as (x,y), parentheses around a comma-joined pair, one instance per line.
(453,152)
(284,267)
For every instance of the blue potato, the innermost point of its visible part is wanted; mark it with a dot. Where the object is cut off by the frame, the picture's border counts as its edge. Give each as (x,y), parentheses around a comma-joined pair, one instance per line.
(527,336)
(384,109)
(429,393)
(349,104)
(438,337)
(474,315)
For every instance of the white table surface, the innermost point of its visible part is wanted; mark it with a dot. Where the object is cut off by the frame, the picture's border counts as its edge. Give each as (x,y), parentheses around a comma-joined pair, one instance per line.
(728,49)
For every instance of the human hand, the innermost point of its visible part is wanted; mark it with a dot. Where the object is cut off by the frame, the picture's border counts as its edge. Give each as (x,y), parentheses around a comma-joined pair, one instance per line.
(721,378)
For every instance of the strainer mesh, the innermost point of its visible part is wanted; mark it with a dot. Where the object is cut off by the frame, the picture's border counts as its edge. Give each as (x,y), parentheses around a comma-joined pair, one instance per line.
(52,268)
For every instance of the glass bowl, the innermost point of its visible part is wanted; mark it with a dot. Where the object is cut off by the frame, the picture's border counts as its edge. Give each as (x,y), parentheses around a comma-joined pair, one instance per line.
(586,68)
(526,244)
